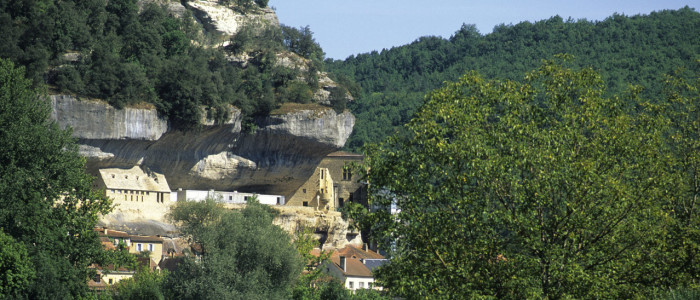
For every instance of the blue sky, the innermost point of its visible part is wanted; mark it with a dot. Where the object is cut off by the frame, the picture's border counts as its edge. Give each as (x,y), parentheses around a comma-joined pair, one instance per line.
(345,27)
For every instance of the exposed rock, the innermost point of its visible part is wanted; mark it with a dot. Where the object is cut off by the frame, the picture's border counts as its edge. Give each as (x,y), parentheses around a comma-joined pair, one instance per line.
(174,7)
(276,159)
(329,227)
(226,21)
(98,120)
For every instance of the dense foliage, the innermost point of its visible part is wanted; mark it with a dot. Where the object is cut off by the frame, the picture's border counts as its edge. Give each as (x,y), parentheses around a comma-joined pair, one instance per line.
(116,51)
(47,205)
(544,188)
(244,255)
(625,50)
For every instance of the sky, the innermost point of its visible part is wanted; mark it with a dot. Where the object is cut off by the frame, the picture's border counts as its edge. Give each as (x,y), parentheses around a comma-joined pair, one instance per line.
(348,27)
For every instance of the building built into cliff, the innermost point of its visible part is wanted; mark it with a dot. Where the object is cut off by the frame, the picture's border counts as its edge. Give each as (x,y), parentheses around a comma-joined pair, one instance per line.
(332,184)
(234,197)
(135,192)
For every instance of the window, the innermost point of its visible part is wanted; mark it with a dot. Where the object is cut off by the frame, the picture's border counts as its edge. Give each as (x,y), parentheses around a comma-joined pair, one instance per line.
(138,248)
(350,284)
(150,247)
(110,281)
(305,203)
(112,175)
(304,190)
(347,174)
(362,285)
(230,197)
(279,200)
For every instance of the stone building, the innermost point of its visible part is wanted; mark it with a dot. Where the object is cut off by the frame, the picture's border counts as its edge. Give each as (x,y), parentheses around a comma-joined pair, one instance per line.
(333,183)
(135,191)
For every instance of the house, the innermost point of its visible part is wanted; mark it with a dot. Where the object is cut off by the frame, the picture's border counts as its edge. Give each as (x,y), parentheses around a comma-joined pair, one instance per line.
(353,267)
(135,243)
(134,190)
(115,237)
(332,184)
(152,244)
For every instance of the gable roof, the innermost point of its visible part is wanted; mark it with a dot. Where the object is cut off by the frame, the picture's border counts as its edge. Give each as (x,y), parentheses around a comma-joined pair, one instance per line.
(358,262)
(133,179)
(141,238)
(353,267)
(352,251)
(111,232)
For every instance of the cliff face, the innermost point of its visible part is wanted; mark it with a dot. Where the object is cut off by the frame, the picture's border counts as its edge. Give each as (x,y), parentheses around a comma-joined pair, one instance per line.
(275,159)
(226,21)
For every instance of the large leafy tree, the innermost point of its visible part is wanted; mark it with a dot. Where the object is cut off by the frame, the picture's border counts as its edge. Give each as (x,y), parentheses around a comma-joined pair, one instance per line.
(46,199)
(544,188)
(243,255)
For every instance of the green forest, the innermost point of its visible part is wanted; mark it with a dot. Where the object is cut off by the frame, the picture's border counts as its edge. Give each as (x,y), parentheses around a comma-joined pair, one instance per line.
(625,50)
(551,160)
(126,55)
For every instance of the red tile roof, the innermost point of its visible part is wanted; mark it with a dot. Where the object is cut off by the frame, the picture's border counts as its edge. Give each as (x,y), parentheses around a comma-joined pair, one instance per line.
(140,238)
(353,267)
(111,232)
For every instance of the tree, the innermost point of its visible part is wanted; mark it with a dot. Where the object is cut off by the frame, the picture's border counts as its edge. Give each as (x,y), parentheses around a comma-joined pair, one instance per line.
(542,189)
(145,285)
(16,268)
(244,255)
(46,199)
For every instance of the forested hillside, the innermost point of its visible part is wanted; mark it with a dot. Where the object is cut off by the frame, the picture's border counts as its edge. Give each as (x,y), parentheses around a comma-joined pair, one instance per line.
(129,52)
(625,50)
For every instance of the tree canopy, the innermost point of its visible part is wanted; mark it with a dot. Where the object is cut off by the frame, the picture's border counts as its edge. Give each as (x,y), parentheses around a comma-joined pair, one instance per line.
(47,204)
(623,49)
(128,53)
(243,255)
(547,188)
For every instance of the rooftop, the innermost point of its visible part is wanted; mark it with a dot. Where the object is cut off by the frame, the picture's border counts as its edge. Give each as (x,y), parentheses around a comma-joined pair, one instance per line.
(134,179)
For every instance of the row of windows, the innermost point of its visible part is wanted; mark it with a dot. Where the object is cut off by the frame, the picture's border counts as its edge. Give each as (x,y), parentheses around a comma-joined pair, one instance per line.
(351,284)
(129,195)
(139,247)
(130,192)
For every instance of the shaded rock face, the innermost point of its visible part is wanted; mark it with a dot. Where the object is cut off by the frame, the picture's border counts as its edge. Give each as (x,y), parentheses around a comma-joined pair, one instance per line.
(276,159)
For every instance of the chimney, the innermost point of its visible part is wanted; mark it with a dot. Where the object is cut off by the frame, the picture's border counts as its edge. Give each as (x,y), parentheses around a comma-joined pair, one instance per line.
(342,263)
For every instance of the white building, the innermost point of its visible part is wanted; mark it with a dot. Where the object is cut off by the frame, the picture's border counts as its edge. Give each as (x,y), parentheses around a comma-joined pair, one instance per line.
(234,197)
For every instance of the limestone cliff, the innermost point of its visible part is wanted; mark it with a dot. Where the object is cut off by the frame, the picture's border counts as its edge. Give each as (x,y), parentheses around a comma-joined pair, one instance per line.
(275,159)
(226,20)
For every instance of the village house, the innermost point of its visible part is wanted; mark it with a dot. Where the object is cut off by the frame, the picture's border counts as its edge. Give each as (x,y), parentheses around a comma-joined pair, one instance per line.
(152,244)
(332,184)
(353,267)
(111,240)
